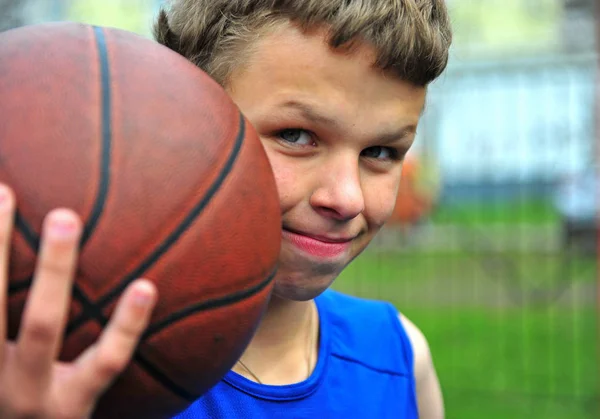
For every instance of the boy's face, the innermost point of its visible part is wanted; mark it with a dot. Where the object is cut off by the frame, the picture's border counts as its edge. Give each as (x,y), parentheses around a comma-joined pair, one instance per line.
(335,130)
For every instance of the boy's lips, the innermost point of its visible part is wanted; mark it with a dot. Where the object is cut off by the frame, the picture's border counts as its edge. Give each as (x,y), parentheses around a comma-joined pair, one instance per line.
(320,246)
(322,237)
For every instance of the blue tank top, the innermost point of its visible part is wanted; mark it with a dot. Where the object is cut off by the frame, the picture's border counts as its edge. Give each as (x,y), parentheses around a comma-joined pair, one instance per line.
(364,370)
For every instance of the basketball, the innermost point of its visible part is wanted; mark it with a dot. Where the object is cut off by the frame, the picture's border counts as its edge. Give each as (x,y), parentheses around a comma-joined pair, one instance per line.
(172,184)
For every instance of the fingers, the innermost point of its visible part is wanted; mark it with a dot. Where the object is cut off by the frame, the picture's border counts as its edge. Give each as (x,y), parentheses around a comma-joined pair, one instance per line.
(100,364)
(7,205)
(48,302)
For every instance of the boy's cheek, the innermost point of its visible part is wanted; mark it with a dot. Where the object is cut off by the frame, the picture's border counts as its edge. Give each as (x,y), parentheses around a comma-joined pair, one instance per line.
(379,204)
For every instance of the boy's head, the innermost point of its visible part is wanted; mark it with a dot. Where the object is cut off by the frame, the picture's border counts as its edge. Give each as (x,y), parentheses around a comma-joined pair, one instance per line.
(411,37)
(335,90)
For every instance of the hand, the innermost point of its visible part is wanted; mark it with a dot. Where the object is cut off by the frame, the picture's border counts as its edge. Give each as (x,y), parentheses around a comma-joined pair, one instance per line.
(33,384)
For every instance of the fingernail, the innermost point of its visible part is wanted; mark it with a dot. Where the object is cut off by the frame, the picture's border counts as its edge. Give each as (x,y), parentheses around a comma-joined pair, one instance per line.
(62,225)
(143,294)
(3,194)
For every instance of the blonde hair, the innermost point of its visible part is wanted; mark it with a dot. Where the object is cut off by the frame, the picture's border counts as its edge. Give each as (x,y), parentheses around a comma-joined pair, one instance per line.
(411,37)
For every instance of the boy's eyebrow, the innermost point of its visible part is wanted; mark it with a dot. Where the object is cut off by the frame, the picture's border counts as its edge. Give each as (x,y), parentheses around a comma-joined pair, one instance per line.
(309,113)
(394,136)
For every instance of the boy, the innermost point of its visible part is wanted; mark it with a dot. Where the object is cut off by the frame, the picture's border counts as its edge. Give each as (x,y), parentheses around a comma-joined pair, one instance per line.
(326,84)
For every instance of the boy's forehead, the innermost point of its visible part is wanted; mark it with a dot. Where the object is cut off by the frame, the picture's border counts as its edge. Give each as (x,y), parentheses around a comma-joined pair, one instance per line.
(290,70)
(289,57)
(294,45)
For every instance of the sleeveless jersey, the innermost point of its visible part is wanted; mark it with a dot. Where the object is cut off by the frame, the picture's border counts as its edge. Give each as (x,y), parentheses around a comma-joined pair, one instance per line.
(364,371)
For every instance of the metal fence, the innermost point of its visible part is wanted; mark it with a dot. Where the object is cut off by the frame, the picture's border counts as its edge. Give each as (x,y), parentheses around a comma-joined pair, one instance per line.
(498,278)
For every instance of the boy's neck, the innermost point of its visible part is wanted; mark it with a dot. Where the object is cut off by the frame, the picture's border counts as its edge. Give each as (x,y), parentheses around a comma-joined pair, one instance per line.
(284,347)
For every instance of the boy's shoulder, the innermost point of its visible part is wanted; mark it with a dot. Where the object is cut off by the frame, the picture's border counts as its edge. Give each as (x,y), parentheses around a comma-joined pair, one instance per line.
(366,330)
(429,393)
(384,326)
(375,316)
(365,312)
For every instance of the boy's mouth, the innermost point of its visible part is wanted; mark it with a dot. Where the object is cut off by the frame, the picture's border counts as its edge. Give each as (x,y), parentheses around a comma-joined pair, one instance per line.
(320,246)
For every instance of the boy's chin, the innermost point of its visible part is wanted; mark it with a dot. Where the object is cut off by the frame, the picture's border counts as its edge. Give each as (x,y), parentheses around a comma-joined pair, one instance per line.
(299,289)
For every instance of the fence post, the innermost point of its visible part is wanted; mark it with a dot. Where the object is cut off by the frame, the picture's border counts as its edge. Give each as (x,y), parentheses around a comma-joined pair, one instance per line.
(597,164)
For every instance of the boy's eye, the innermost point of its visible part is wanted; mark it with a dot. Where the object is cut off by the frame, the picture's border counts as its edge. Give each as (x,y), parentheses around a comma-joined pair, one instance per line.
(380,153)
(295,136)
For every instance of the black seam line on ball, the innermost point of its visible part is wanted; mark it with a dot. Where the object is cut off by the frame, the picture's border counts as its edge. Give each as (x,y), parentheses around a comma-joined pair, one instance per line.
(163,379)
(31,237)
(208,305)
(170,240)
(154,371)
(159,375)
(90,308)
(19,286)
(106,139)
(144,363)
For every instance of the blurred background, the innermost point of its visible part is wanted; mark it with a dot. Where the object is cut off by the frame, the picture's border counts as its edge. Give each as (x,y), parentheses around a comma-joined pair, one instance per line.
(493,247)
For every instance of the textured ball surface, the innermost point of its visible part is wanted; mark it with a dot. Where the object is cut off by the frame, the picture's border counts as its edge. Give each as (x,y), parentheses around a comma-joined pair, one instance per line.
(172,184)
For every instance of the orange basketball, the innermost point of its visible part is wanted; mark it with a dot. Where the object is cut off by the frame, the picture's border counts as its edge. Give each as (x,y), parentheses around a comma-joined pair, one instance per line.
(172,184)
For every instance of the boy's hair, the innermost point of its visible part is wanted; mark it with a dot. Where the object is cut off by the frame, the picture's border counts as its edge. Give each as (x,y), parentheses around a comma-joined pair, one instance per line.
(411,37)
